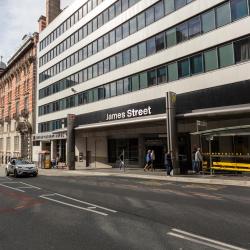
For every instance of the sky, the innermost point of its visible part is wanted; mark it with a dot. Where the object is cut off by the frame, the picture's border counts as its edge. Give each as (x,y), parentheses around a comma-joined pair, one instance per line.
(17,18)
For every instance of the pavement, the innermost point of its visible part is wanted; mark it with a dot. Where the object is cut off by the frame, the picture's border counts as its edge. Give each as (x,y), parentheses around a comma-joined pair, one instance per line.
(158,174)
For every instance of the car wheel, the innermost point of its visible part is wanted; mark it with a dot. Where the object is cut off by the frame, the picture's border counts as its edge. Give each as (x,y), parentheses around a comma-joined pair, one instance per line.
(7,172)
(15,173)
(35,174)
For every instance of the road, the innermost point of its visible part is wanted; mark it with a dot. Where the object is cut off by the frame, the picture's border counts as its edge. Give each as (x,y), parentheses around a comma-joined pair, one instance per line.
(79,212)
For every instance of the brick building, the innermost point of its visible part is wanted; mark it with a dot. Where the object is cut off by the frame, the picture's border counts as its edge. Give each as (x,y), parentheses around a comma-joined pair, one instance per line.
(17,101)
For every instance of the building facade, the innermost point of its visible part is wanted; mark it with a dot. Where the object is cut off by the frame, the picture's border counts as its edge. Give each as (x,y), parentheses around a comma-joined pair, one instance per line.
(133,75)
(17,102)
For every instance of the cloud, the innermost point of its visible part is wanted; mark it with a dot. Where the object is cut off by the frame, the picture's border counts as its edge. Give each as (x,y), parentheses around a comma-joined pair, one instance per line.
(17,19)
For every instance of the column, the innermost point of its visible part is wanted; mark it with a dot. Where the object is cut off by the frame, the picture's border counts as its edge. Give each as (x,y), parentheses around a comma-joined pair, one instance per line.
(71,141)
(172,129)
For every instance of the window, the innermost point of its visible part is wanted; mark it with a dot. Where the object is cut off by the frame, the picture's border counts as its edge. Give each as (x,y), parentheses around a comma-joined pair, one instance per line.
(16,143)
(152,80)
(182,32)
(111,12)
(118,7)
(124,5)
(160,42)
(100,68)
(151,46)
(126,85)
(118,33)
(226,55)
(95,70)
(100,20)
(100,44)
(210,60)
(125,29)
(208,21)
(119,87)
(171,37)
(106,16)
(169,6)
(106,65)
(112,89)
(183,68)
(159,10)
(238,9)
(143,80)
(119,61)
(134,83)
(150,16)
(106,91)
(242,50)
(172,72)
(142,50)
(161,75)
(196,64)
(112,63)
(95,94)
(106,41)
(194,27)
(223,14)
(126,57)
(141,20)
(133,25)
(134,54)
(112,37)
(101,94)
(179,4)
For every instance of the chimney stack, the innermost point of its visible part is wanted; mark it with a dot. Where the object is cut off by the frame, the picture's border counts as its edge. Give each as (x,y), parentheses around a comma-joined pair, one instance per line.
(42,23)
(52,10)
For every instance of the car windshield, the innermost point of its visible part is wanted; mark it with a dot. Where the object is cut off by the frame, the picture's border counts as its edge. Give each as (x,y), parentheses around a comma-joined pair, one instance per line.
(22,162)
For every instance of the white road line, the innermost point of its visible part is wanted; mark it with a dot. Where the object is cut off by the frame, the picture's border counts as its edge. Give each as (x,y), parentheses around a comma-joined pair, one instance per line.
(12,188)
(10,182)
(29,185)
(8,178)
(198,241)
(71,205)
(222,244)
(87,203)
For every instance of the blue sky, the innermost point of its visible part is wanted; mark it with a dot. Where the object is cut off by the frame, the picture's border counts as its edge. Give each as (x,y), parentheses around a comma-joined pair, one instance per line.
(17,18)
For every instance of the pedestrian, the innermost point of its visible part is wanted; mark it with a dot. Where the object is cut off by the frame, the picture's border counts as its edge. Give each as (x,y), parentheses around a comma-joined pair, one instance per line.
(148,160)
(198,160)
(152,167)
(193,159)
(121,158)
(168,163)
(53,163)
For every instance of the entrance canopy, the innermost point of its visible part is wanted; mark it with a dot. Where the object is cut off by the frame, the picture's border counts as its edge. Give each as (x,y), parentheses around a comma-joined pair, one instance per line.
(226,131)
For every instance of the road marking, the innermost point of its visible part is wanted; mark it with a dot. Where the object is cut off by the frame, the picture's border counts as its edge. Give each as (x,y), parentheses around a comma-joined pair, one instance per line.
(90,209)
(8,178)
(203,240)
(31,186)
(19,207)
(17,189)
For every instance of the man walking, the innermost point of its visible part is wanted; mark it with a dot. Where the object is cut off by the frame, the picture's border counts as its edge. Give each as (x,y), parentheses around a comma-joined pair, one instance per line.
(198,160)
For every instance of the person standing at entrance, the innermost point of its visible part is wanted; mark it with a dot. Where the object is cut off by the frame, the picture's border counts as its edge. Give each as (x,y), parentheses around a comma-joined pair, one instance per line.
(198,160)
(148,160)
(168,163)
(121,157)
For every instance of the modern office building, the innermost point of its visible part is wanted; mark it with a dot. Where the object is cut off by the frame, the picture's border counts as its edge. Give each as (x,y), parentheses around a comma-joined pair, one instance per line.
(17,101)
(134,75)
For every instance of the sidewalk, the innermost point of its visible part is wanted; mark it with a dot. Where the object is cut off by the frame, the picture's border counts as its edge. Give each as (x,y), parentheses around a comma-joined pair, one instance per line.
(159,174)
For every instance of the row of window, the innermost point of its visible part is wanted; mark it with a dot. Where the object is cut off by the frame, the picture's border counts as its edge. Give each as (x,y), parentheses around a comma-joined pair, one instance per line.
(114,10)
(74,18)
(193,27)
(52,125)
(145,18)
(212,59)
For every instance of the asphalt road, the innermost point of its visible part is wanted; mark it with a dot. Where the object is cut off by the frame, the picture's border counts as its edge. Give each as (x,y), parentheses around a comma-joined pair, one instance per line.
(71,213)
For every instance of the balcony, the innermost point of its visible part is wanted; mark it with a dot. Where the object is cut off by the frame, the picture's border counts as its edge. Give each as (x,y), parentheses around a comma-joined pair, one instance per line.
(7,119)
(15,116)
(25,113)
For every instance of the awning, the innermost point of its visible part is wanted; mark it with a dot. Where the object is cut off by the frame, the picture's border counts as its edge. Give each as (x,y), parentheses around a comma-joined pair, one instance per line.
(226,131)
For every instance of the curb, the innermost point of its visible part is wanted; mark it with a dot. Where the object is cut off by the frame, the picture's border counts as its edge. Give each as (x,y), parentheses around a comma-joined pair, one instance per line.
(201,180)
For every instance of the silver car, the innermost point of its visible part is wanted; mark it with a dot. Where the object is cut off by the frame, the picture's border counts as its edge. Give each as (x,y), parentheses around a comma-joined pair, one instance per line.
(19,167)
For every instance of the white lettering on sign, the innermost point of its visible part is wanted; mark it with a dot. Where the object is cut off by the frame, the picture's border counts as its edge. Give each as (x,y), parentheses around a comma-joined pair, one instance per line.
(130,113)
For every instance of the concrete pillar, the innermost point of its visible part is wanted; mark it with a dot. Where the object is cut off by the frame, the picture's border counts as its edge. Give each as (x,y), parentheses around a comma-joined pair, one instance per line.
(70,156)
(172,129)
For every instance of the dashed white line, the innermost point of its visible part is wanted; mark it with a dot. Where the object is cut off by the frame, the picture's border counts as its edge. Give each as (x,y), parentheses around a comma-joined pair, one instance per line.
(31,186)
(203,240)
